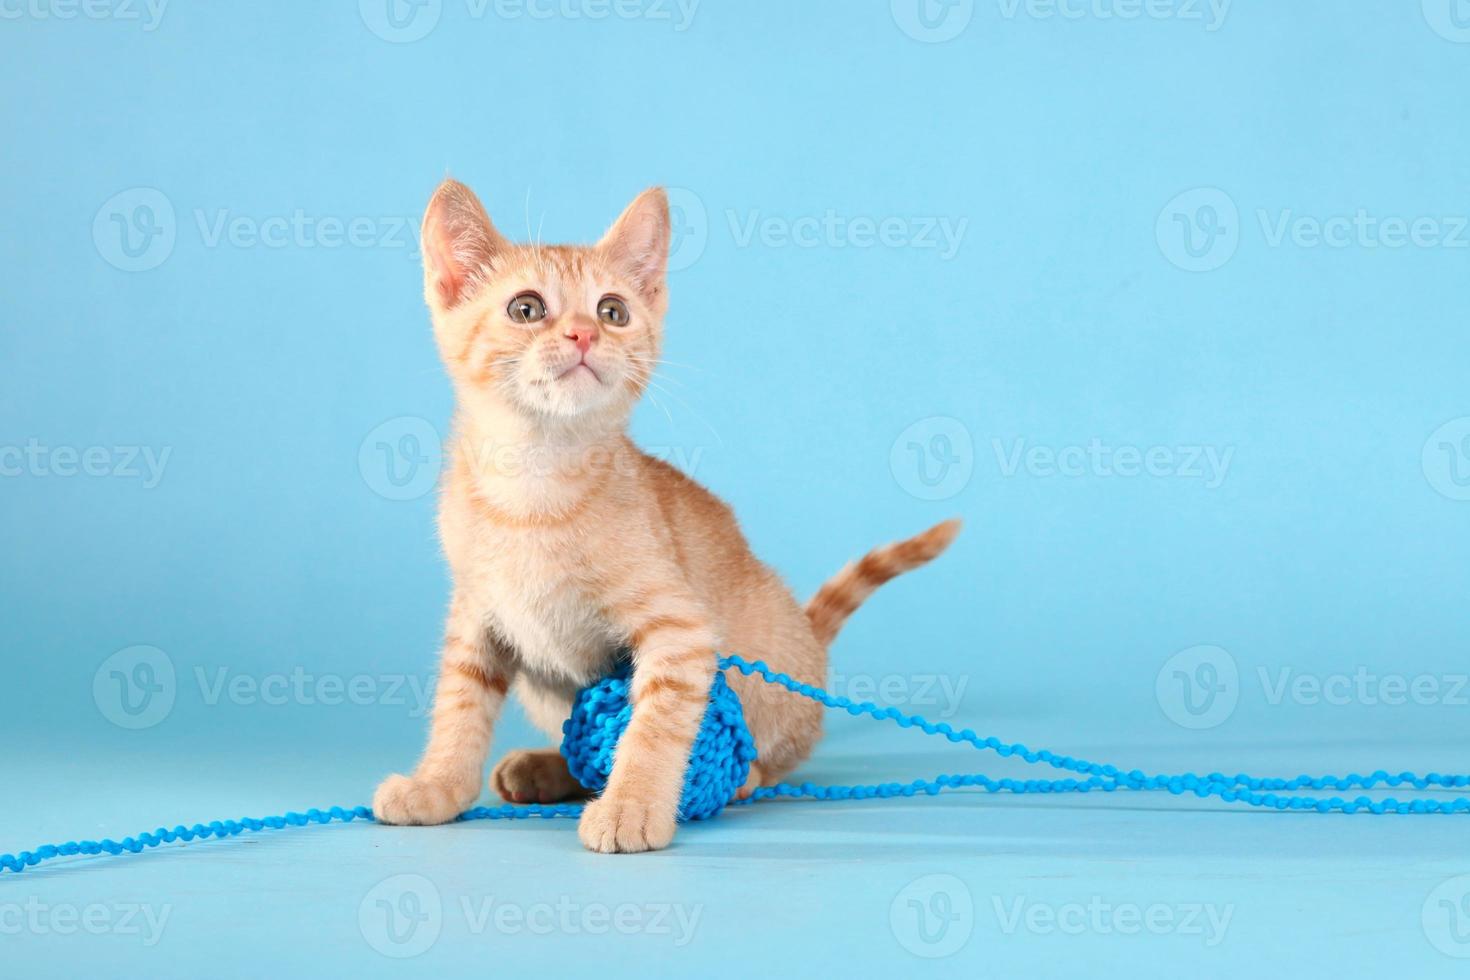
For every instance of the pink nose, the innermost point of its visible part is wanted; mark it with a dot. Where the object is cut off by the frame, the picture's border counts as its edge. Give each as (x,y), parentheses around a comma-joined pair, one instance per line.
(582,334)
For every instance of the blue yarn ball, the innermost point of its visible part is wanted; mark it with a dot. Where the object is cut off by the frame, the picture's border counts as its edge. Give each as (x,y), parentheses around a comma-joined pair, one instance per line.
(718,765)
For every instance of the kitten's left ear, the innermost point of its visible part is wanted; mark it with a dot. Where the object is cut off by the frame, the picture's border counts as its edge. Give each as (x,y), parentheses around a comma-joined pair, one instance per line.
(638,242)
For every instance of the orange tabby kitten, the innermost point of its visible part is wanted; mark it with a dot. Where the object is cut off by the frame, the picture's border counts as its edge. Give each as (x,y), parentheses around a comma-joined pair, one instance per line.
(567,543)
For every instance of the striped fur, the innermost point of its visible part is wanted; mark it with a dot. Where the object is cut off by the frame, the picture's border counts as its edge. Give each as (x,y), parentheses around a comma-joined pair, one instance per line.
(844,592)
(566,542)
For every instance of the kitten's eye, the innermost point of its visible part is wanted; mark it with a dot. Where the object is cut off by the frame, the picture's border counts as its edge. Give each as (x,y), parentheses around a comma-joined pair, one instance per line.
(526,308)
(612,310)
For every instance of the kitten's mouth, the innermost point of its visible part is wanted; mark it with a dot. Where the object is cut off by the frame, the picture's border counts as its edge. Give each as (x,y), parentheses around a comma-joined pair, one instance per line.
(576,369)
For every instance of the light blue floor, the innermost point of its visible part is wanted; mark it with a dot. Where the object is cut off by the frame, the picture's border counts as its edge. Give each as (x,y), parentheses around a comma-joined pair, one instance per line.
(1122,885)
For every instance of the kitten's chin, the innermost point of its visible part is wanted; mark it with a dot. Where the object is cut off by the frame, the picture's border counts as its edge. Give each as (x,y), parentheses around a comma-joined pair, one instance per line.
(578,393)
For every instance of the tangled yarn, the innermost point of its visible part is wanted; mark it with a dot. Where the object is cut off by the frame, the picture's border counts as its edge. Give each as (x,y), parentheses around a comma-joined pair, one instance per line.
(718,766)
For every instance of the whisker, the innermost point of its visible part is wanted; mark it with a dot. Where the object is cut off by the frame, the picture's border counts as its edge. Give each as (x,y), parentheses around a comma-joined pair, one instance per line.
(659,405)
(666,363)
(654,385)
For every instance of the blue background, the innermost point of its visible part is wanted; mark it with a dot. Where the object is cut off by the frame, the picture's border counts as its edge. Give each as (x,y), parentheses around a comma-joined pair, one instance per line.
(1067,150)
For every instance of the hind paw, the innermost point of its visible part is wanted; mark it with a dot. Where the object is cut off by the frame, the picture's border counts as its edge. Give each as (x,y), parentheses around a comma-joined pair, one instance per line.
(537,776)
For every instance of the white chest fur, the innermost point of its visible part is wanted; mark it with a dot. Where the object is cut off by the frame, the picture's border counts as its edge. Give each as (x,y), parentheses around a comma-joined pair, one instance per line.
(527,585)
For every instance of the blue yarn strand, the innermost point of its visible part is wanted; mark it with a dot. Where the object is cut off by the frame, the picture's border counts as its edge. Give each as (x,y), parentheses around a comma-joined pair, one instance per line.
(1238,788)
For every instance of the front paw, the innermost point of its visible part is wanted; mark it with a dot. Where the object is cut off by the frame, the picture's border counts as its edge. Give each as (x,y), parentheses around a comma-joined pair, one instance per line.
(418,800)
(616,824)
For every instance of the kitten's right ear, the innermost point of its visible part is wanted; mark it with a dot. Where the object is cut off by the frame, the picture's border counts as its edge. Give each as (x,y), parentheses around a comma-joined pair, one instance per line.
(458,242)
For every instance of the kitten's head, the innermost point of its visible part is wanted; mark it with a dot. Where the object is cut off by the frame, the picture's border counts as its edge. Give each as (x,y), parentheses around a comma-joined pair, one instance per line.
(552,332)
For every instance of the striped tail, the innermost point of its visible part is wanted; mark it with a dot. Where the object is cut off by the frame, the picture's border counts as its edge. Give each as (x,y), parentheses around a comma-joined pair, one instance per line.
(849,588)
